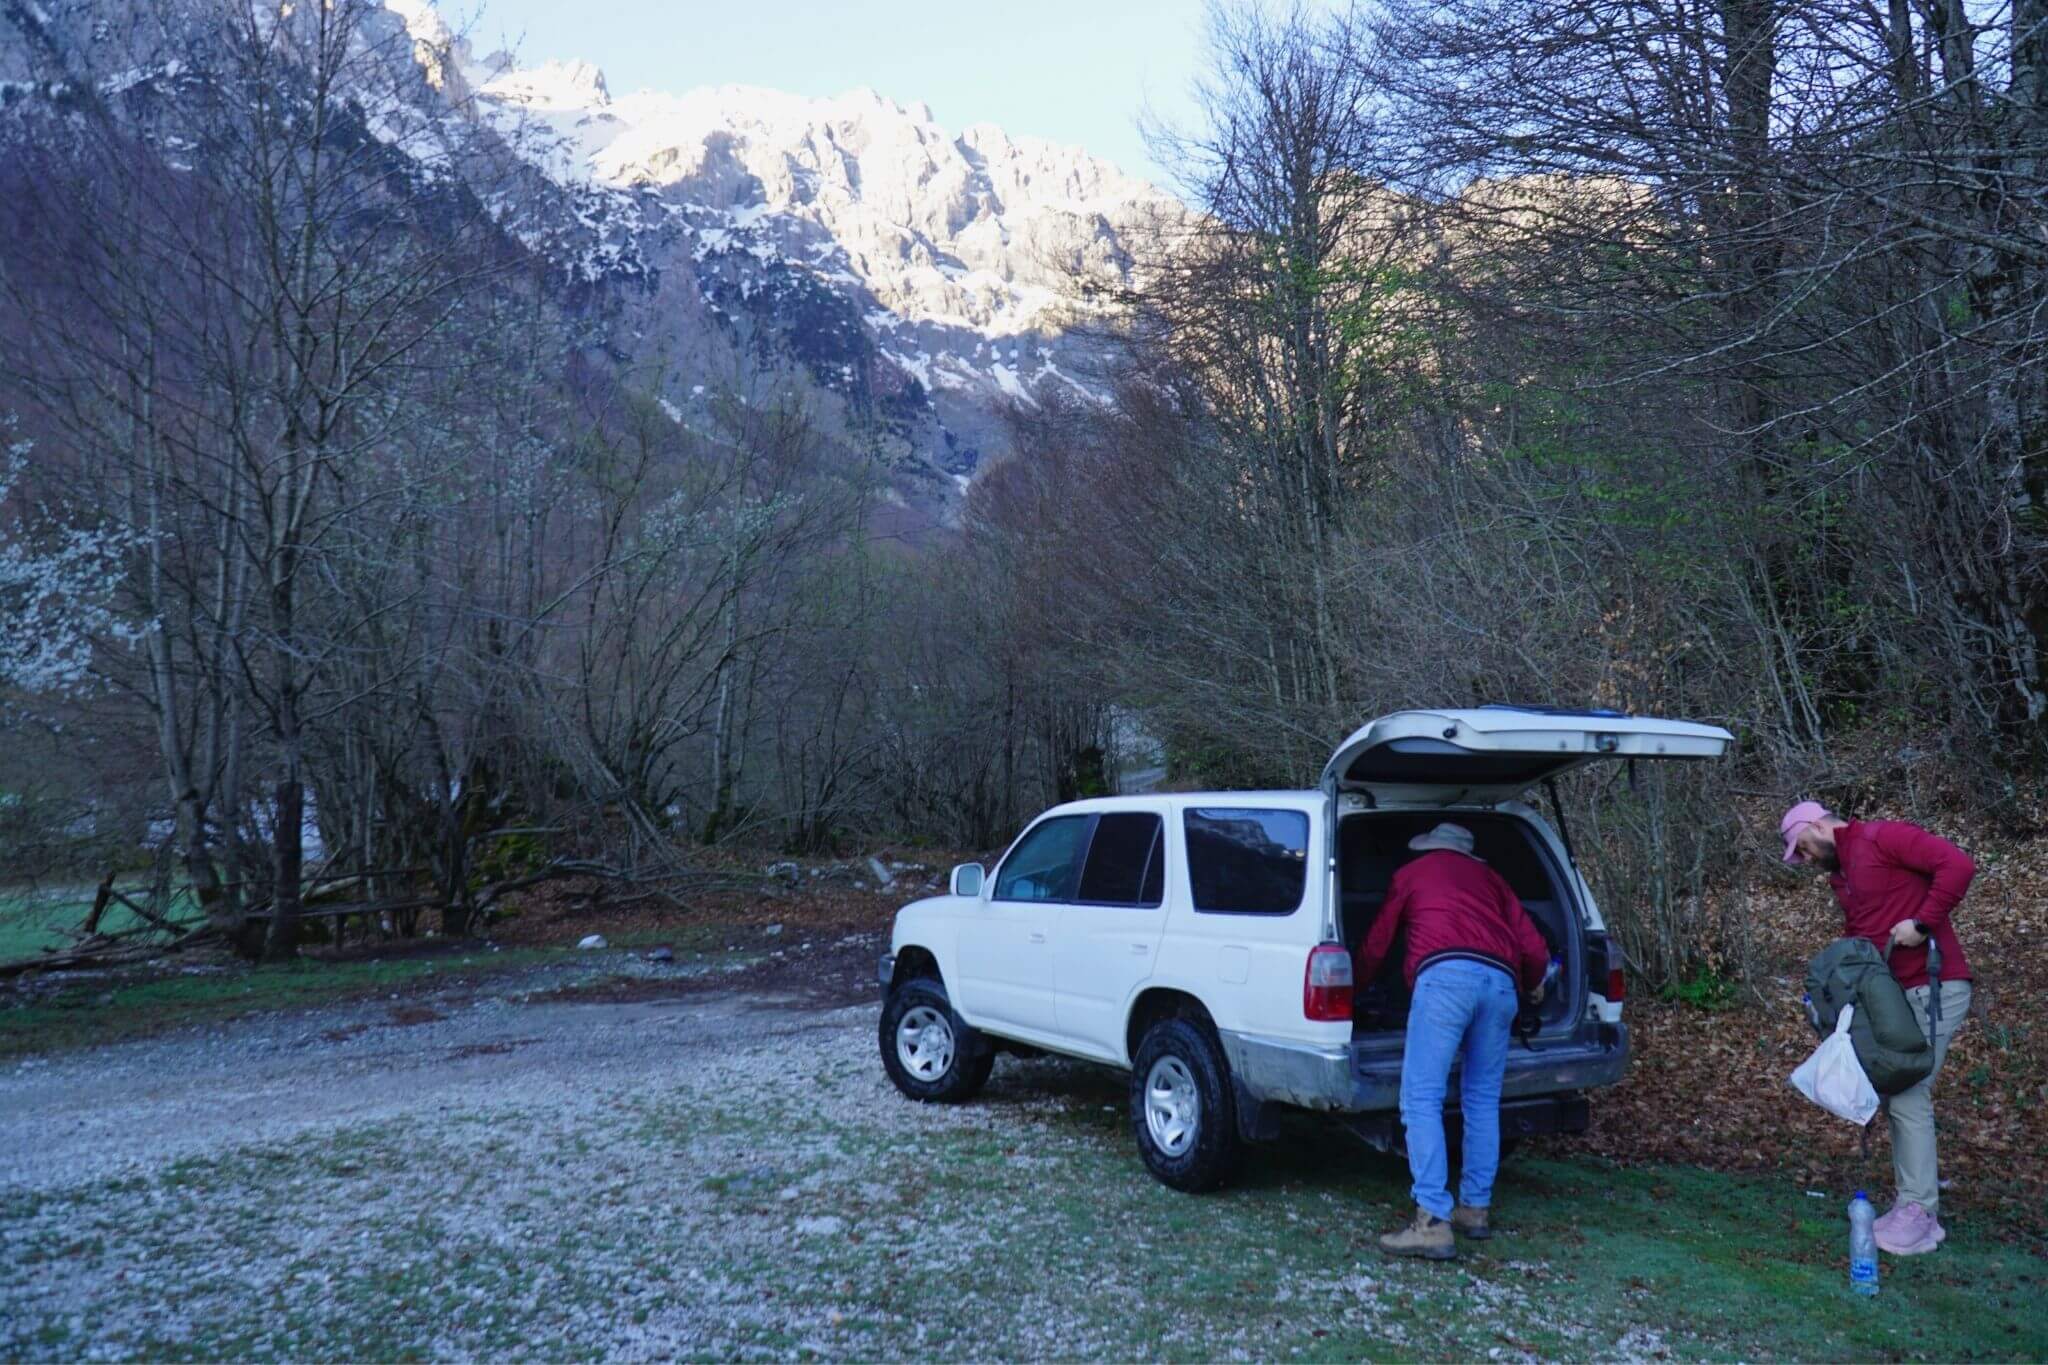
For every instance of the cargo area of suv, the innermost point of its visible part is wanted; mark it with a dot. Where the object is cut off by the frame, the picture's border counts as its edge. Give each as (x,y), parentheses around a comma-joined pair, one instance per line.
(1372,846)
(1405,772)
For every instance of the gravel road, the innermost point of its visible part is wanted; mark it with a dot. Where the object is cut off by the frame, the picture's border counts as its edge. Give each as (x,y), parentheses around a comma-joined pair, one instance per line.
(150,1190)
(604,1158)
(120,1110)
(598,1158)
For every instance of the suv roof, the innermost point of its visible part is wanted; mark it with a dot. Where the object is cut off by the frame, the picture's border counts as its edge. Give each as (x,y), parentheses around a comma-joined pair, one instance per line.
(1123,801)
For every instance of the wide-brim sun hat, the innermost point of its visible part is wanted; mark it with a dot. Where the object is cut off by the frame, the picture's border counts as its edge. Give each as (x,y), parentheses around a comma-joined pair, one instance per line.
(1794,823)
(1455,838)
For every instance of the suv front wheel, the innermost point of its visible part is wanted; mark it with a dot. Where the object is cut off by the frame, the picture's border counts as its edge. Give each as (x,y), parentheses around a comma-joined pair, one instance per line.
(927,1051)
(1182,1109)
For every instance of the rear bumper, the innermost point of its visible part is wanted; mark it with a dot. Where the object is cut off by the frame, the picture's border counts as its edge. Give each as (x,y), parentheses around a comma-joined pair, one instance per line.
(1340,1079)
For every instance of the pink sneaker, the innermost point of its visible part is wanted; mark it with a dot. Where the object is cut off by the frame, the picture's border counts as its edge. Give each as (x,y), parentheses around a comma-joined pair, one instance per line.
(1886,1222)
(1912,1231)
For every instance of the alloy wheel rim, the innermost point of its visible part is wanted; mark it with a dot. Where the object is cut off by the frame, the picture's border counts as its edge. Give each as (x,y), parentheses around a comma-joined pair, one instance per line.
(924,1042)
(1173,1106)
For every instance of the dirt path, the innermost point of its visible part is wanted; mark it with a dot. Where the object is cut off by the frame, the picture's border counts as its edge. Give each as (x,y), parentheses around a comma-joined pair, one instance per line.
(139,1106)
(526,1037)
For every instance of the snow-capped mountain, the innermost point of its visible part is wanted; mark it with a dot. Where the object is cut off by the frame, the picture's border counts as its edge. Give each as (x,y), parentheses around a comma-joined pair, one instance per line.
(926,273)
(920,277)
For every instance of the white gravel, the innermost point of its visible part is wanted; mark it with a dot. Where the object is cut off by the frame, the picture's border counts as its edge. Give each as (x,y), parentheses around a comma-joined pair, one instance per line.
(717,1175)
(512,1177)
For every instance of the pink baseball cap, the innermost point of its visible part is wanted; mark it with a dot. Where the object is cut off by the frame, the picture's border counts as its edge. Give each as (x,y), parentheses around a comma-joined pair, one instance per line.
(1797,819)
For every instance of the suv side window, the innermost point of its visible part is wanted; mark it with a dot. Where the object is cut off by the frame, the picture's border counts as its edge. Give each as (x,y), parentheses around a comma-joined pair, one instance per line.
(1046,863)
(1246,862)
(1126,860)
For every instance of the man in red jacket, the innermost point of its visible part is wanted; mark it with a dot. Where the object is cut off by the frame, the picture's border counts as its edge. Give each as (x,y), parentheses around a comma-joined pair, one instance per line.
(1472,953)
(1898,886)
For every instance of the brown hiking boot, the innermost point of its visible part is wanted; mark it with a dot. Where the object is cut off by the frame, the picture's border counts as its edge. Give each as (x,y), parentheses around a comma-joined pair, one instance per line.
(1470,1222)
(1428,1237)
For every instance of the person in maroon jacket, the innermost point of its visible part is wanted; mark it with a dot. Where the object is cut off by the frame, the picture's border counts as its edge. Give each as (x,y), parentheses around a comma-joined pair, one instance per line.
(1472,954)
(1898,886)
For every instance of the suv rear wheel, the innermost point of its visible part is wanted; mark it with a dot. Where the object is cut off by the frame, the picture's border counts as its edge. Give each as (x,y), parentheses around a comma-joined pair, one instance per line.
(927,1051)
(1182,1109)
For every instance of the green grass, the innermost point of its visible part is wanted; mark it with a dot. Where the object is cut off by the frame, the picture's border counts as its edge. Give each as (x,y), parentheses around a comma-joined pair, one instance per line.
(1715,1266)
(88,1013)
(1705,989)
(804,1210)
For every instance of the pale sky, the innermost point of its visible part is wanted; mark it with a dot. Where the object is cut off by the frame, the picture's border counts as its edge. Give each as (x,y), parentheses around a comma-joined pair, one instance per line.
(1074,71)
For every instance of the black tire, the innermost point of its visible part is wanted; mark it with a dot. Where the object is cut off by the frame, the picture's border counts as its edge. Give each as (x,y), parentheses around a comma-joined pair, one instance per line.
(1210,1152)
(943,1068)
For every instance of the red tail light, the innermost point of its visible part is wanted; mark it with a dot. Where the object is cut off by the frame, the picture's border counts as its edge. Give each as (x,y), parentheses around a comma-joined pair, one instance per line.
(1617,986)
(1326,985)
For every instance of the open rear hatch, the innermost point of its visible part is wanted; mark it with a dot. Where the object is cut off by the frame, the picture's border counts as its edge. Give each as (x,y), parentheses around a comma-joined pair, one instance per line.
(1488,754)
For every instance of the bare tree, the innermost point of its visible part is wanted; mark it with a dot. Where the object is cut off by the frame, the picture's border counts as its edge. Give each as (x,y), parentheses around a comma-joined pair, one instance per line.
(232,336)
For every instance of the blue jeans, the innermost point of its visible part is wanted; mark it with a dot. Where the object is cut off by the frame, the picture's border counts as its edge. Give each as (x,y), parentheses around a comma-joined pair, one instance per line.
(1461,1010)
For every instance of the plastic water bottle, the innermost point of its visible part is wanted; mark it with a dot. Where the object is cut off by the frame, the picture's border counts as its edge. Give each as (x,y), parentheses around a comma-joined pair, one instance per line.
(1550,973)
(1862,1246)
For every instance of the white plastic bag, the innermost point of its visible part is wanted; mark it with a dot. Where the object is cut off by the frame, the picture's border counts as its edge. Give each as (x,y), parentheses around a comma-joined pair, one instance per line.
(1833,1079)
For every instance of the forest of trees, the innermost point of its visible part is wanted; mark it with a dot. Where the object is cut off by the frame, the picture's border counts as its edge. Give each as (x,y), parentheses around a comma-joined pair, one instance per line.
(1676,358)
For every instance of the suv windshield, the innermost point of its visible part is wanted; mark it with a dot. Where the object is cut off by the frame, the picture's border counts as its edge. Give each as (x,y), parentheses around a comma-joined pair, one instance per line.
(1046,864)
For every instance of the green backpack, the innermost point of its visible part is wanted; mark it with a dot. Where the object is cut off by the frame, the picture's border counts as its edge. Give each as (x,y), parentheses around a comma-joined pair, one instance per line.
(1895,1054)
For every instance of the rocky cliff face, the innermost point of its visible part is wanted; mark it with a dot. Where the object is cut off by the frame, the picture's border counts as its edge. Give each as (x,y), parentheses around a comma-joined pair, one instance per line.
(920,278)
(924,275)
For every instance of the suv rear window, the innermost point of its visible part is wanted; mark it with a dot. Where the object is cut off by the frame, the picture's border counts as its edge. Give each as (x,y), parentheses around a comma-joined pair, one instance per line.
(1125,860)
(1246,861)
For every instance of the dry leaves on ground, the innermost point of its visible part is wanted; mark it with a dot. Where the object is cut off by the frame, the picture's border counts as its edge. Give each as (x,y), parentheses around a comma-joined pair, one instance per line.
(1710,1088)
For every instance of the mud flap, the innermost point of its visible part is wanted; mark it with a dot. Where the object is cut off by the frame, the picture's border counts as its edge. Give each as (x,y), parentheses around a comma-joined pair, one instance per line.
(1257,1121)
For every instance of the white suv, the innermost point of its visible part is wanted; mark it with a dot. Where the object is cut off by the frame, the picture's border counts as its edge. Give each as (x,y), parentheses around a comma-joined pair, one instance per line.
(1202,940)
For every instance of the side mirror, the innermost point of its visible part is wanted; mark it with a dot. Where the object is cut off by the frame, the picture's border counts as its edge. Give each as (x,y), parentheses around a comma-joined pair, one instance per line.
(967,879)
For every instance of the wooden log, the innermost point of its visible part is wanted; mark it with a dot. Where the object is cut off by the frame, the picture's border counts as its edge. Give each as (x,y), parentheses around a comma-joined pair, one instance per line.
(338,911)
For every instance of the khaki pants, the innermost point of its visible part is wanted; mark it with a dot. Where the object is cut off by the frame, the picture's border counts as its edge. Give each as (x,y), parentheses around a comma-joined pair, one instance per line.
(1912,1111)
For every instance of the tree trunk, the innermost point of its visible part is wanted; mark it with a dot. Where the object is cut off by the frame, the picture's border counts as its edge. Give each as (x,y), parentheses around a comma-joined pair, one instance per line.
(282,941)
(288,828)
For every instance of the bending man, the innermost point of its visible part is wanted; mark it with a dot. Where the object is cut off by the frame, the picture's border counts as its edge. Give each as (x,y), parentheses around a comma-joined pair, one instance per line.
(1472,951)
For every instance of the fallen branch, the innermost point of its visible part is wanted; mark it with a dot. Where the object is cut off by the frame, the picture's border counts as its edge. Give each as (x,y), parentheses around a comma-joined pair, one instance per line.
(555,870)
(174,930)
(107,951)
(344,909)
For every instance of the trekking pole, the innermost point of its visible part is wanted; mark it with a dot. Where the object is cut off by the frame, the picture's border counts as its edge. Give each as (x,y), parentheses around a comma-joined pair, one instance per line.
(1933,990)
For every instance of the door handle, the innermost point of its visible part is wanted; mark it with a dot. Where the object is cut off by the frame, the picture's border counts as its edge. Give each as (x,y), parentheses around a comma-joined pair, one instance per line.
(1038,935)
(1141,948)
